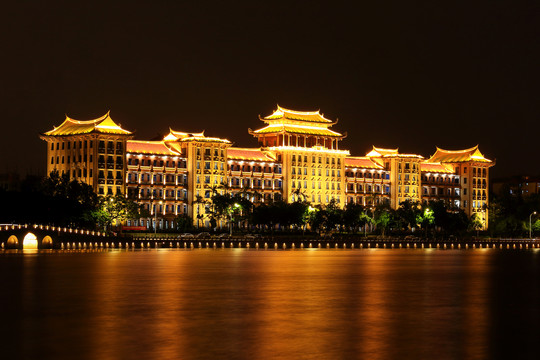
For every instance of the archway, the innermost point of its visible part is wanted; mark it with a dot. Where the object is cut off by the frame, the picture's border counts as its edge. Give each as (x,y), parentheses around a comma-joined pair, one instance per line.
(12,241)
(30,242)
(46,242)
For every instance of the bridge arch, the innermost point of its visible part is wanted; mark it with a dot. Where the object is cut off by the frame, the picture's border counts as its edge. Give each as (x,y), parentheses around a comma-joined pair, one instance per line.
(47,242)
(12,241)
(30,242)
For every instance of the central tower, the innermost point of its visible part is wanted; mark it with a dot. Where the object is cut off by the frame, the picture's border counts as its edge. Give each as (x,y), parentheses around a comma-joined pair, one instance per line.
(313,165)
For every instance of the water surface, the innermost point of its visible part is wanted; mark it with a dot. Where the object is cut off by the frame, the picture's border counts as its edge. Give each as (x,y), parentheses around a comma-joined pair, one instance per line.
(248,304)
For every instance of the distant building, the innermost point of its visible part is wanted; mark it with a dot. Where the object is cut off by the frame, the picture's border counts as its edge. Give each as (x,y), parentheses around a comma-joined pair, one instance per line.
(298,158)
(517,185)
(10,182)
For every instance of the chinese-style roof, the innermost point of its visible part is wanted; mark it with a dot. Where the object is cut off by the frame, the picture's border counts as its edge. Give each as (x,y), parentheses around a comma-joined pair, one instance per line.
(362,163)
(182,136)
(297,129)
(175,135)
(103,124)
(286,114)
(472,154)
(389,153)
(149,147)
(436,168)
(248,154)
(376,152)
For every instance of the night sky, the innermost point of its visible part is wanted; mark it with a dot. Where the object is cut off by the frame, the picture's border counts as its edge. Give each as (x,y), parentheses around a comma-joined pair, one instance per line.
(412,75)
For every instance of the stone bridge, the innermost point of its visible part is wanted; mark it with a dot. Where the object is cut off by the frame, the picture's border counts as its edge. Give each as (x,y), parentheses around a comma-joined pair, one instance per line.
(43,236)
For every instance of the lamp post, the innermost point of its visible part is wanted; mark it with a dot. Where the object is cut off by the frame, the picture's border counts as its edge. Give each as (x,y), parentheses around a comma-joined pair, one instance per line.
(530,224)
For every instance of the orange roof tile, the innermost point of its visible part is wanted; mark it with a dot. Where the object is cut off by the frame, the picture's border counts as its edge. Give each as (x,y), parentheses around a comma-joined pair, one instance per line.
(248,154)
(103,124)
(375,152)
(309,116)
(297,129)
(471,154)
(361,162)
(150,147)
(436,167)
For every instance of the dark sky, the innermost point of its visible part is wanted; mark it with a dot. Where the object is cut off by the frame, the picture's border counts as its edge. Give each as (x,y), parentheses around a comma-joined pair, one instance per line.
(412,75)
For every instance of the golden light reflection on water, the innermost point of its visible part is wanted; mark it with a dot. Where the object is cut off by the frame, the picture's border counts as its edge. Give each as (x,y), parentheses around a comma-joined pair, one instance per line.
(248,304)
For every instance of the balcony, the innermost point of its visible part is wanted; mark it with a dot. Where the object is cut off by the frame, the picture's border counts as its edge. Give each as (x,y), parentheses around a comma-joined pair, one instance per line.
(101,150)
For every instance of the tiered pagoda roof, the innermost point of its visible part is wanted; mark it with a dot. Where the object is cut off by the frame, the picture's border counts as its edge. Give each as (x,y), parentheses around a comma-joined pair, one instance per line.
(297,122)
(451,156)
(103,124)
(282,114)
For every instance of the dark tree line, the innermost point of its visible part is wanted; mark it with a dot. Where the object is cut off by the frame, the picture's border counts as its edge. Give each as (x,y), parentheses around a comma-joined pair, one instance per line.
(56,200)
(509,215)
(240,212)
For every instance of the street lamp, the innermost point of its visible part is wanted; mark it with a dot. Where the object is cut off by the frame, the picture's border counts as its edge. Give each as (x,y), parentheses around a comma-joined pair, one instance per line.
(530,224)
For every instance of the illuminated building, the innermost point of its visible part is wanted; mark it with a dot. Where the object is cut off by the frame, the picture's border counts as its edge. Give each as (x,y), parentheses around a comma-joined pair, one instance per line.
(91,151)
(313,167)
(174,176)
(298,158)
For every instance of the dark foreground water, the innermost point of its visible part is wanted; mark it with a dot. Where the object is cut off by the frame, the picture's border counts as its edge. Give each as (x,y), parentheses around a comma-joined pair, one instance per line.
(247,304)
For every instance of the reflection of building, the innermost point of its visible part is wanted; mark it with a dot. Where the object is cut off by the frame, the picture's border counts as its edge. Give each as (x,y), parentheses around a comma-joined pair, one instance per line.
(298,158)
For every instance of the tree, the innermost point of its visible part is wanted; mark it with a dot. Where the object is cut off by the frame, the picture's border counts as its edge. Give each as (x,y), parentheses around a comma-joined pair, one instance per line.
(383,217)
(183,223)
(114,210)
(352,215)
(476,223)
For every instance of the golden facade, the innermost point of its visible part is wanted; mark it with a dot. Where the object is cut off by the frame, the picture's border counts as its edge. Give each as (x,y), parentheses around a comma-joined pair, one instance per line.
(298,158)
(91,151)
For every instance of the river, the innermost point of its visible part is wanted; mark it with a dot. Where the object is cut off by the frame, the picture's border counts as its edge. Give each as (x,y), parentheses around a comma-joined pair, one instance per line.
(257,304)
